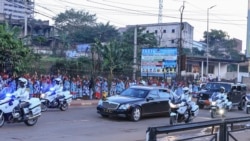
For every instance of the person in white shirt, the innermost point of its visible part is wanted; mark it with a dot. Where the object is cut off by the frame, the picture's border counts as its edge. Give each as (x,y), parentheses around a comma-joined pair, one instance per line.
(22,92)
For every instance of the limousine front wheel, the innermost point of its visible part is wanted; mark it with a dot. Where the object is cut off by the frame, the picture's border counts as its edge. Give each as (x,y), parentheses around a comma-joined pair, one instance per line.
(136,114)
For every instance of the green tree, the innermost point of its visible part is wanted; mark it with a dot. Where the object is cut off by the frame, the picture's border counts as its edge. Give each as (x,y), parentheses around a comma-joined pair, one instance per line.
(14,56)
(71,20)
(113,55)
(220,44)
(106,32)
(144,39)
(197,52)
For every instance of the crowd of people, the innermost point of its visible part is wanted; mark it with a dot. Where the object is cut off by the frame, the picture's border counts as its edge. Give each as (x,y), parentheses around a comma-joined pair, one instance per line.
(85,86)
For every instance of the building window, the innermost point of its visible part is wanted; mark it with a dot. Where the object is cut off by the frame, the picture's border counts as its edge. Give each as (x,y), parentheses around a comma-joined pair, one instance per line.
(164,31)
(156,31)
(172,41)
(173,30)
(211,69)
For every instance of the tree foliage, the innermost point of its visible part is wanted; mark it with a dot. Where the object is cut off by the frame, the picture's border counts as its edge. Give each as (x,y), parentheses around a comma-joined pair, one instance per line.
(14,56)
(71,20)
(220,45)
(81,27)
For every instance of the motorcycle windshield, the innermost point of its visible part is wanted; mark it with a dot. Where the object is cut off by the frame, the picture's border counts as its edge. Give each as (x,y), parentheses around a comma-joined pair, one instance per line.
(215,96)
(176,100)
(4,91)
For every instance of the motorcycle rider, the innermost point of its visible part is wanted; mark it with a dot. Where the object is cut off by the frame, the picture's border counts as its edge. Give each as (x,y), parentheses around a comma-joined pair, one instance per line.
(22,94)
(223,96)
(183,99)
(58,87)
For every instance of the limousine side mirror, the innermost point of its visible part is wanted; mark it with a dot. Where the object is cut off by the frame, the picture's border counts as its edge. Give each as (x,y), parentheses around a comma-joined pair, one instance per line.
(149,98)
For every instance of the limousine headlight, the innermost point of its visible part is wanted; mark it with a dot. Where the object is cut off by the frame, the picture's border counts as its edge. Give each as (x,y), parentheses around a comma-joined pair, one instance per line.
(124,106)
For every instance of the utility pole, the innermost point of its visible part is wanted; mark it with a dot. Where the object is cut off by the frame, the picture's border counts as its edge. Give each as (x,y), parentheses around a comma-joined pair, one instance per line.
(25,18)
(160,11)
(207,50)
(248,37)
(180,44)
(135,54)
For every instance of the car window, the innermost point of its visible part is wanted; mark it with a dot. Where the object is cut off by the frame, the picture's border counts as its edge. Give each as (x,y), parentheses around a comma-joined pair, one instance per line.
(164,95)
(216,86)
(238,88)
(243,88)
(153,94)
(134,92)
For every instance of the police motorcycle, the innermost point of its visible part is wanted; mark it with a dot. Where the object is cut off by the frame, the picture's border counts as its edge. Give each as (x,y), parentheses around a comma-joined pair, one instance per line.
(183,109)
(13,110)
(55,98)
(219,105)
(247,103)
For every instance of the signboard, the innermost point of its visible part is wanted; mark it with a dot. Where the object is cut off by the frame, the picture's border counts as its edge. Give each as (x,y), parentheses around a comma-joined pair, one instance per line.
(161,62)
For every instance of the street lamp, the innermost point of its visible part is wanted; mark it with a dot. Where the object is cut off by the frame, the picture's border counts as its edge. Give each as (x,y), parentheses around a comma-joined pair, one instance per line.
(207,35)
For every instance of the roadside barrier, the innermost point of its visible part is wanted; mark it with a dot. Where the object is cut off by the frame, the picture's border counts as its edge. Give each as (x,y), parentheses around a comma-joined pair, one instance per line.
(226,127)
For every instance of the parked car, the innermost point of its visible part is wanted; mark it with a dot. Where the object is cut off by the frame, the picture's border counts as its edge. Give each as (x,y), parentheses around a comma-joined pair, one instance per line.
(136,102)
(235,93)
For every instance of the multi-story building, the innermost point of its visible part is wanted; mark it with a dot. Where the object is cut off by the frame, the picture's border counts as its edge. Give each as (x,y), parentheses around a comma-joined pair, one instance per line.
(17,9)
(168,34)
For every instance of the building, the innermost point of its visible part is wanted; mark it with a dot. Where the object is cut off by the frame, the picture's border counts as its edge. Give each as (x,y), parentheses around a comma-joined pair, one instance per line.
(17,9)
(168,34)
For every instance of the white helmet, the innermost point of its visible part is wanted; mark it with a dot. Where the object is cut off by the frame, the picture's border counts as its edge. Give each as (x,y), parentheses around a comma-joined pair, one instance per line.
(142,82)
(185,90)
(22,82)
(58,81)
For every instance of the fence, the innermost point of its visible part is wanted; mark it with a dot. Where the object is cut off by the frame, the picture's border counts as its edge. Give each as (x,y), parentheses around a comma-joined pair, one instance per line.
(223,134)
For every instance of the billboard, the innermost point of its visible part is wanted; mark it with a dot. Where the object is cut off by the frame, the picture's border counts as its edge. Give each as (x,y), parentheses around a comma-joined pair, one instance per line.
(160,62)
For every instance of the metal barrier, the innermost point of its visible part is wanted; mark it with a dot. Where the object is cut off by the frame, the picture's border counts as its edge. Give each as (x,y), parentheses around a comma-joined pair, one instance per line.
(223,134)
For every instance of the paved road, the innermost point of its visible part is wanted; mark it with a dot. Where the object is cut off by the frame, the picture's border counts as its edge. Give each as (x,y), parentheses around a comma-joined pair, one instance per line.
(82,123)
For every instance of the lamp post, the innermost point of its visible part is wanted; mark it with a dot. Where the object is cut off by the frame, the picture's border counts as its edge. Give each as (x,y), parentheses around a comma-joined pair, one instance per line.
(207,36)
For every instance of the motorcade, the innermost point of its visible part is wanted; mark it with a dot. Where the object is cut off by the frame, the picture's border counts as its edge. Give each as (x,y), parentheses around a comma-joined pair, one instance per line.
(136,102)
(235,93)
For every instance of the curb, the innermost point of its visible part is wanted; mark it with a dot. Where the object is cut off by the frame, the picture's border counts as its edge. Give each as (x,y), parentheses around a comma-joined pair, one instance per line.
(83,103)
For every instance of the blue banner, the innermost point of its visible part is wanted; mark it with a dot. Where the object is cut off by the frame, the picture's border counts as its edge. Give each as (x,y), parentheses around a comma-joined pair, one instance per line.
(159,61)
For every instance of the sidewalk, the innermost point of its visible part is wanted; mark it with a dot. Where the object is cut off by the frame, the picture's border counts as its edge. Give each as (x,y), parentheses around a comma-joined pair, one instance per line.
(81,102)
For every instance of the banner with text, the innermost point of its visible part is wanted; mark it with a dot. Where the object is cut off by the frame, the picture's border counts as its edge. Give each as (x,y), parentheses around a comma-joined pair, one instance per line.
(159,61)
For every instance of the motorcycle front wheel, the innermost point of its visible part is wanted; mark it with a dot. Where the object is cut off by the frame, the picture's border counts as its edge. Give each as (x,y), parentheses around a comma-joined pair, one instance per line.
(2,120)
(64,106)
(44,107)
(31,122)
(213,113)
(172,120)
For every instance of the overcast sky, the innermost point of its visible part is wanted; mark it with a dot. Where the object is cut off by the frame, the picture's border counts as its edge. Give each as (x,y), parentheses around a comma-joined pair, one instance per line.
(227,15)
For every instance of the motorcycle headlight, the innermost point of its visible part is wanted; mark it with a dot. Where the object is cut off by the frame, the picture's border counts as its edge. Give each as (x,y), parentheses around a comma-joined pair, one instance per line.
(124,106)
(43,96)
(221,111)
(100,102)
(213,103)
